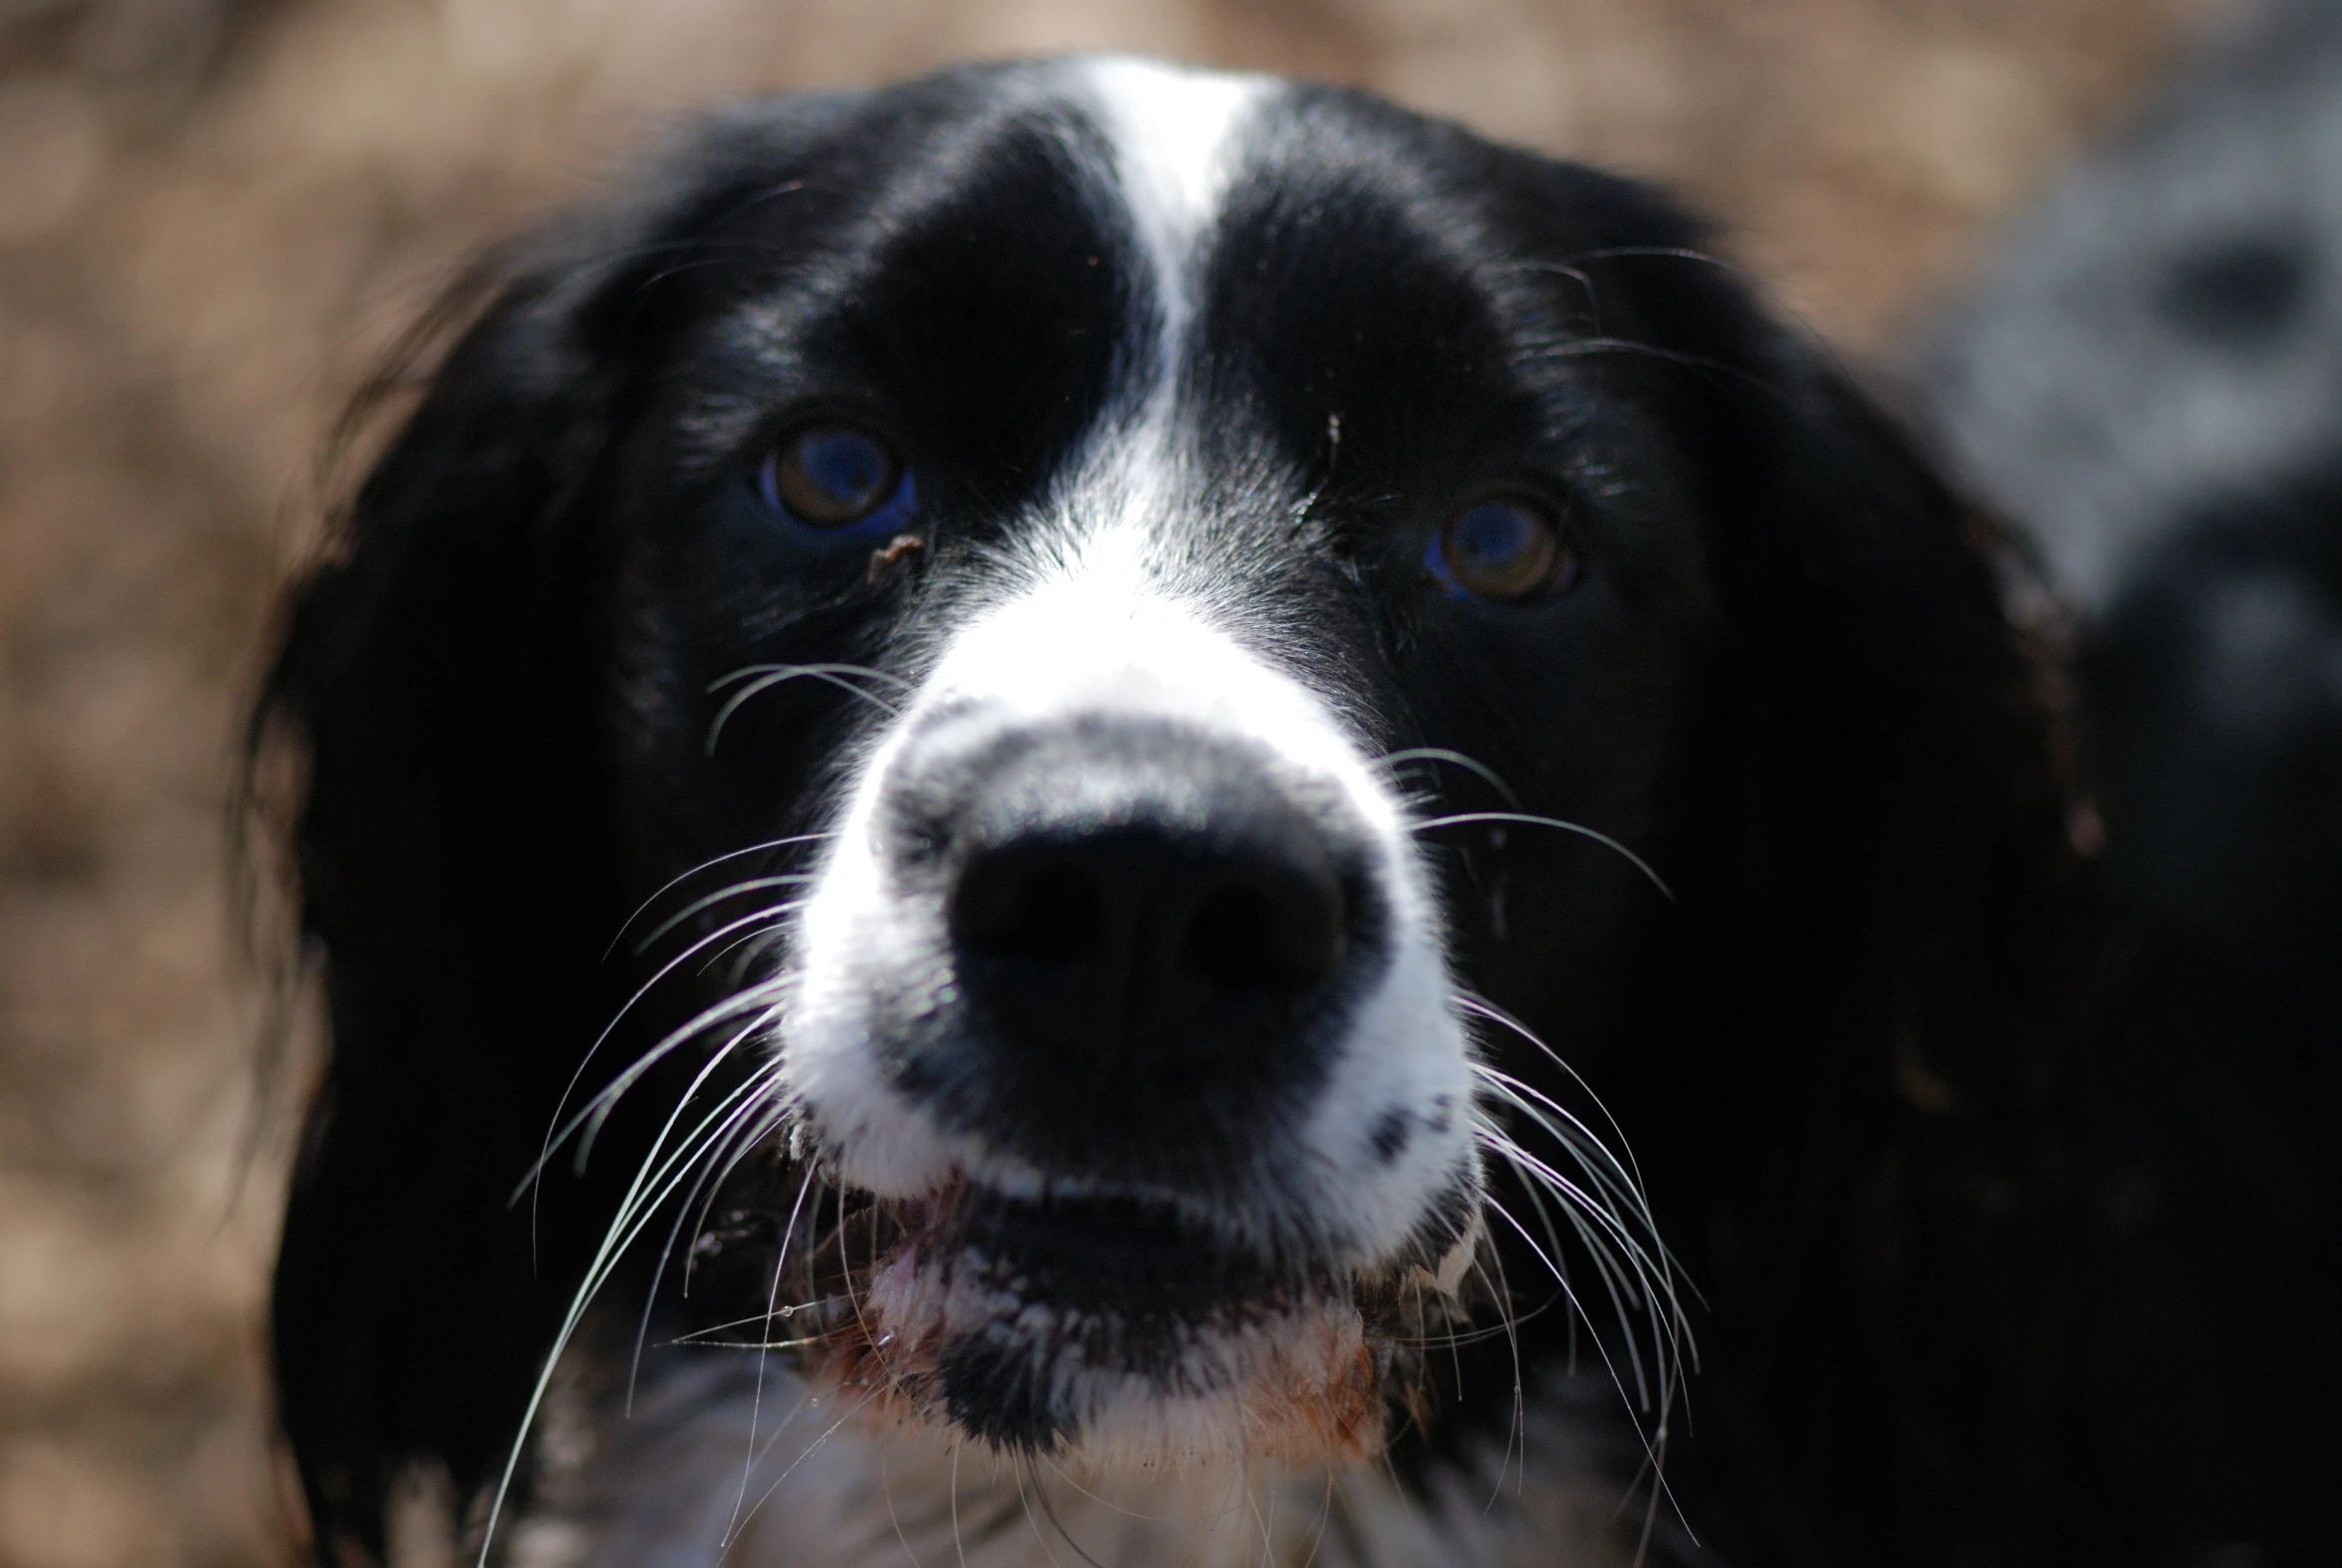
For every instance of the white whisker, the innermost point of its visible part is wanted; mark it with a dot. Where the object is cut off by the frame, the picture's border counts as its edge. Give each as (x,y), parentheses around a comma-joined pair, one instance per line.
(595,1112)
(709,864)
(763,677)
(753,885)
(1392,759)
(632,1214)
(1530,819)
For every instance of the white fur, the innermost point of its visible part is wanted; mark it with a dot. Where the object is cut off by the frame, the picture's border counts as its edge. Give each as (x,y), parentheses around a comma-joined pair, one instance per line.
(1096,633)
(1171,133)
(676,1487)
(1101,620)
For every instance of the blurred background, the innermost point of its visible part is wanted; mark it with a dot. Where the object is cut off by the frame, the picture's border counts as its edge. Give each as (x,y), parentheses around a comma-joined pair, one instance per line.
(214,213)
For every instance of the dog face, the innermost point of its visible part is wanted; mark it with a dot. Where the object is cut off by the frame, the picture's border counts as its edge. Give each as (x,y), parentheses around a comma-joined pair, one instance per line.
(1187,640)
(1120,975)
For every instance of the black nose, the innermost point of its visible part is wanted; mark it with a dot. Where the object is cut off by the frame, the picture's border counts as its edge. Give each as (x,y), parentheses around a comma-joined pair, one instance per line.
(1148,938)
(1129,905)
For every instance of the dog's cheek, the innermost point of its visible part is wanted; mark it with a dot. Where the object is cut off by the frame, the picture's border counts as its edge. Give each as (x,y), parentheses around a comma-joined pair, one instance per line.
(1392,1132)
(850,932)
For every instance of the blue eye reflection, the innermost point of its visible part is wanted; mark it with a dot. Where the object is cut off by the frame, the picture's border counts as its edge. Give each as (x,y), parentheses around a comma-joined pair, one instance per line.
(837,478)
(1502,547)
(846,466)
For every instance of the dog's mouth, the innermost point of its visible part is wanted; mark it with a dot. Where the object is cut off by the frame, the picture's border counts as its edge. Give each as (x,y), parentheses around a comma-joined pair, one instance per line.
(1111,1256)
(1111,1324)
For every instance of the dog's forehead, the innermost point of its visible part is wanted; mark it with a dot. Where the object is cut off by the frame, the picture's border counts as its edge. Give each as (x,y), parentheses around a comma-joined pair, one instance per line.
(1170,164)
(1191,155)
(1175,136)
(1047,222)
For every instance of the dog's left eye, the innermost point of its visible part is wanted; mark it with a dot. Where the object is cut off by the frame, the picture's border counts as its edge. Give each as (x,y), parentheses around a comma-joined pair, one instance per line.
(1501,547)
(838,479)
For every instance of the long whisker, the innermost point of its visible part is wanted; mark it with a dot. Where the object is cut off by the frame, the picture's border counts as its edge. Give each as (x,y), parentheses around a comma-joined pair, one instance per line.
(886,1488)
(557,1131)
(763,677)
(752,672)
(1602,1167)
(710,863)
(1481,1007)
(776,1118)
(732,1536)
(1620,1184)
(1530,819)
(1457,759)
(751,940)
(754,948)
(1650,1264)
(786,879)
(1610,1213)
(743,1129)
(1576,1307)
(805,1185)
(1621,1291)
(597,1110)
(1621,1176)
(1516,1430)
(651,1180)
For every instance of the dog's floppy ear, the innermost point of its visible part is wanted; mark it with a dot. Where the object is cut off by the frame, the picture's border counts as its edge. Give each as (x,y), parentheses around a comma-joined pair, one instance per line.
(438,680)
(435,682)
(1922,792)
(1899,897)
(430,677)
(1896,726)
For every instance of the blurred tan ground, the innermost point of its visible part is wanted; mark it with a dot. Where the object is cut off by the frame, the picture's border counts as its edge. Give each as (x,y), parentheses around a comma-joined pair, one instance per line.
(213,211)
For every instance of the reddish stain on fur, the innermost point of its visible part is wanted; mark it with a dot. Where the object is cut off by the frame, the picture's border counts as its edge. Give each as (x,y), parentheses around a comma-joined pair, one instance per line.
(1334,1416)
(1311,1389)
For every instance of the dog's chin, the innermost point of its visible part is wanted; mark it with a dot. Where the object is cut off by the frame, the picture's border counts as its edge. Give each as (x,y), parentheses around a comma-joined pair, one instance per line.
(1104,1332)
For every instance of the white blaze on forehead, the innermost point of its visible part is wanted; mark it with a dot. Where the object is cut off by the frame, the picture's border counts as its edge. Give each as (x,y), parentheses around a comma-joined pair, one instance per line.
(1171,133)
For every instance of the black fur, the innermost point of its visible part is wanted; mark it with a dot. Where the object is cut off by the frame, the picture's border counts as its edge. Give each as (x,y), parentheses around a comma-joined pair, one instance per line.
(1787,682)
(2148,379)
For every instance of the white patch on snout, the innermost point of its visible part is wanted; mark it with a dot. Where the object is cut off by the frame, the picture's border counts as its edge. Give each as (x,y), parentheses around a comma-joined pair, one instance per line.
(1095,634)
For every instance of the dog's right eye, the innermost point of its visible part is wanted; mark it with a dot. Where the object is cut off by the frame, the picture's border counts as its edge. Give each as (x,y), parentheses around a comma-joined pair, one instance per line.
(1502,549)
(838,479)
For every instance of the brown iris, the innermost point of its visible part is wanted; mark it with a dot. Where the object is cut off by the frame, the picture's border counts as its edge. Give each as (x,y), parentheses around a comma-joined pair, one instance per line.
(1503,548)
(830,475)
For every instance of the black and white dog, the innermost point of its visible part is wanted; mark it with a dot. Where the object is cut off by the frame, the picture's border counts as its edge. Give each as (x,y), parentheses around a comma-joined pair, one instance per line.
(1290,811)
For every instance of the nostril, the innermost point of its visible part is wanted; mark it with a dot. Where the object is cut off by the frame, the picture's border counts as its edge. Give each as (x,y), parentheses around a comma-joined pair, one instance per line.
(1048,908)
(1283,932)
(1131,904)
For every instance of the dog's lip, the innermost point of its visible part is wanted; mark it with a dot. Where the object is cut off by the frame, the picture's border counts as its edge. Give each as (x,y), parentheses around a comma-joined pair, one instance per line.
(1109,1253)
(1098,1230)
(1045,1233)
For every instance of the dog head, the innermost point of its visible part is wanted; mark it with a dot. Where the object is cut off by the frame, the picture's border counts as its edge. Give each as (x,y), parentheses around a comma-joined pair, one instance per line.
(1179,641)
